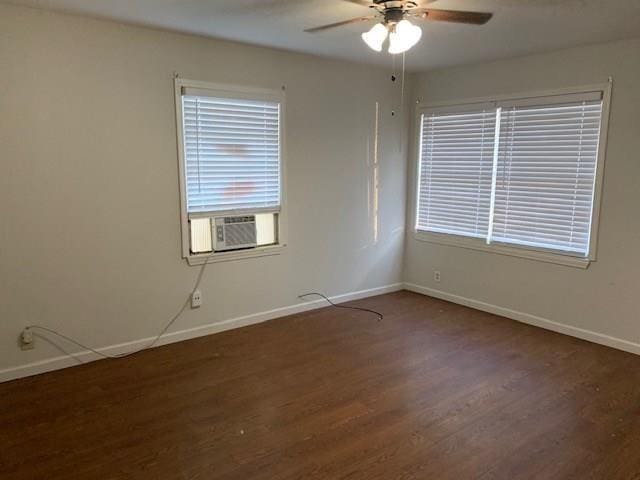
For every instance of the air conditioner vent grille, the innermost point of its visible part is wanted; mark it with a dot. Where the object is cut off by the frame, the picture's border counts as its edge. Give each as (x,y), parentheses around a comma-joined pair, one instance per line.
(240,234)
(233,233)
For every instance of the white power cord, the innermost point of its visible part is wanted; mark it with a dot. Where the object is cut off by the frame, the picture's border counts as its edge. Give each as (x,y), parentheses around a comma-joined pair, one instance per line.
(149,345)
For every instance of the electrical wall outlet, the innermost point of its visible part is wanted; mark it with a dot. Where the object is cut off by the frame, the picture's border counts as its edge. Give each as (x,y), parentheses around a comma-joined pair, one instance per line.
(196,299)
(436,276)
(27,342)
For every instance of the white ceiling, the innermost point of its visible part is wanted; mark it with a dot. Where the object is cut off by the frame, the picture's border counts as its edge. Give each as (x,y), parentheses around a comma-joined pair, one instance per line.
(518,27)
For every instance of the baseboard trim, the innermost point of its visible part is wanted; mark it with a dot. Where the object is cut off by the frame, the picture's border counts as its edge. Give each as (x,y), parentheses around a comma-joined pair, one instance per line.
(83,357)
(527,318)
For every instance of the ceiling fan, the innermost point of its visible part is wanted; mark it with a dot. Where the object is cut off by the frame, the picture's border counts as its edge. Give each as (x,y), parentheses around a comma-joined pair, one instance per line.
(394,23)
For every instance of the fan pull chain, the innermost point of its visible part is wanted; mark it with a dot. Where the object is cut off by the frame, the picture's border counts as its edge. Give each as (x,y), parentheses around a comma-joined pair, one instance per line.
(393,77)
(402,85)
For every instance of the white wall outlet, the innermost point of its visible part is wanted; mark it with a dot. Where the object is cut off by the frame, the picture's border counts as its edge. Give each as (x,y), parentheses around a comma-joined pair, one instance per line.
(27,342)
(196,299)
(436,276)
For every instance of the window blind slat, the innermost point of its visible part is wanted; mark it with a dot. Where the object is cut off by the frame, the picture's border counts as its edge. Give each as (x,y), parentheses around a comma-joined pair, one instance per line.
(232,153)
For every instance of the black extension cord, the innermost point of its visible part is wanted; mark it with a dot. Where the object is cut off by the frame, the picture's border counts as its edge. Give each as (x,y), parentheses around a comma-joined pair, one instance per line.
(380,316)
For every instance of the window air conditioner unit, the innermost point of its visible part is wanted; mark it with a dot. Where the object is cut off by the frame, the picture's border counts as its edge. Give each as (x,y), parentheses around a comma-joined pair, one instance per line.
(234,233)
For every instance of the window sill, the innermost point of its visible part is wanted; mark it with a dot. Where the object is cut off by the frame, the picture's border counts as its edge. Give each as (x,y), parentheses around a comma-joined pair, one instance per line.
(266,251)
(521,252)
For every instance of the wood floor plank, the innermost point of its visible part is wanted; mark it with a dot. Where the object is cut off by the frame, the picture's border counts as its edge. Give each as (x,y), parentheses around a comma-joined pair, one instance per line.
(435,390)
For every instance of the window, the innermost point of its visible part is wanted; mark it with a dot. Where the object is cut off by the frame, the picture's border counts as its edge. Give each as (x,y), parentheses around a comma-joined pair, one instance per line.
(231,168)
(456,172)
(518,172)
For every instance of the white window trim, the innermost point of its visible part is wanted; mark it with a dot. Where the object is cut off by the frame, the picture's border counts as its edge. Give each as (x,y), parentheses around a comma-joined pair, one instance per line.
(243,92)
(266,251)
(516,251)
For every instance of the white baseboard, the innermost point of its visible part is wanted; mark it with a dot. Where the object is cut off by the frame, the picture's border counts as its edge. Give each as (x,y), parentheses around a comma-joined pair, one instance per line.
(65,361)
(547,324)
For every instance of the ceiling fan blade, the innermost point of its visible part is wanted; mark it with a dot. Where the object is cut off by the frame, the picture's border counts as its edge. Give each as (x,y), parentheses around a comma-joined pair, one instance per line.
(339,24)
(474,18)
(364,3)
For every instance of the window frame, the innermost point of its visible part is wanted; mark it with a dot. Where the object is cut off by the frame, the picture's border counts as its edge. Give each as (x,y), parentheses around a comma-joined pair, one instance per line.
(231,91)
(532,253)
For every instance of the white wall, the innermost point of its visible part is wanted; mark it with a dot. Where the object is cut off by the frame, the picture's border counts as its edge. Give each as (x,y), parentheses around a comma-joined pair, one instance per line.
(89,208)
(602,299)
(90,231)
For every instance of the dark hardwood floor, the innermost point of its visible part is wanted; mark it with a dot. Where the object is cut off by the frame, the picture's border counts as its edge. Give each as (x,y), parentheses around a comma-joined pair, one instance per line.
(433,391)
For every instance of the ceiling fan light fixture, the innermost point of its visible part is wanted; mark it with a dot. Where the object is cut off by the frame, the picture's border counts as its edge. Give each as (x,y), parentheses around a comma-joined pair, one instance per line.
(403,37)
(375,37)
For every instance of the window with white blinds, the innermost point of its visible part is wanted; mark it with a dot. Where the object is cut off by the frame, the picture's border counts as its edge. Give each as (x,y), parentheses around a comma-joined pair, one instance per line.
(230,165)
(231,153)
(456,165)
(522,173)
(546,175)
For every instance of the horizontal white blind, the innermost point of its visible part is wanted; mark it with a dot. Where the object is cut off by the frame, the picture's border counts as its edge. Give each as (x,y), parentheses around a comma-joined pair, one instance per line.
(546,175)
(456,163)
(232,154)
